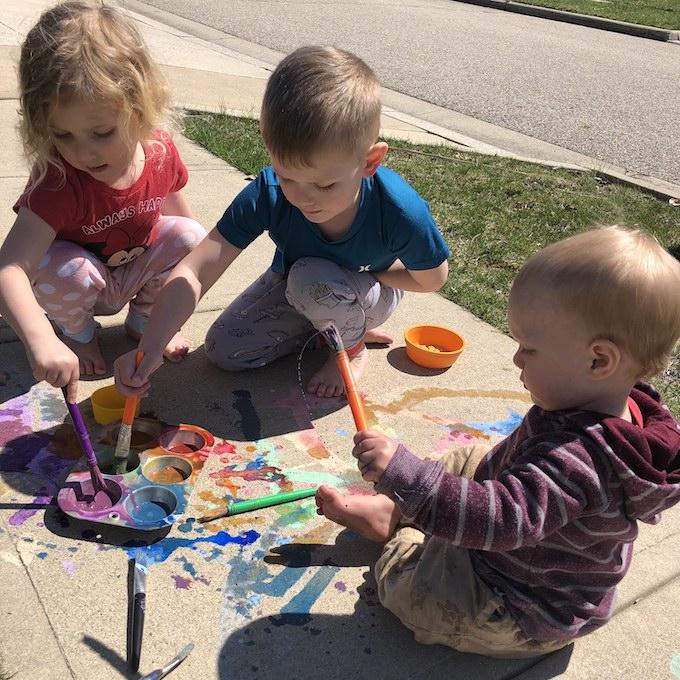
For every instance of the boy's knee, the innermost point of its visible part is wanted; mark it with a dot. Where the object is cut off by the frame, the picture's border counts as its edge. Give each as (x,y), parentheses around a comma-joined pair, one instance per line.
(222,351)
(316,284)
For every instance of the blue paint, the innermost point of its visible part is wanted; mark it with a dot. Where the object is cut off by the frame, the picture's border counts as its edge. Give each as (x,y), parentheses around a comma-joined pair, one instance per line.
(296,612)
(186,527)
(41,555)
(675,665)
(499,427)
(250,422)
(187,566)
(150,511)
(160,551)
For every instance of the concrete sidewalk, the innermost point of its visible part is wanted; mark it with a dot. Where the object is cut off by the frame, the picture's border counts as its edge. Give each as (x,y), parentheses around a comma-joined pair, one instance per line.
(280,593)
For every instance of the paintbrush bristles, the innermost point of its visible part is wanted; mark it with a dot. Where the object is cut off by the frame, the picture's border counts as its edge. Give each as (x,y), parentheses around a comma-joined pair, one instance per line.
(122,449)
(98,483)
(333,338)
(213,515)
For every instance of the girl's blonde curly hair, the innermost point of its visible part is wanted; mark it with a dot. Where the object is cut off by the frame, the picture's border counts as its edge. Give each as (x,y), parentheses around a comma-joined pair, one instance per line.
(80,50)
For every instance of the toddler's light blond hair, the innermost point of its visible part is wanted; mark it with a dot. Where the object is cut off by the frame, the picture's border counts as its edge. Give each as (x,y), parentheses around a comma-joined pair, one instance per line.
(320,99)
(621,282)
(80,50)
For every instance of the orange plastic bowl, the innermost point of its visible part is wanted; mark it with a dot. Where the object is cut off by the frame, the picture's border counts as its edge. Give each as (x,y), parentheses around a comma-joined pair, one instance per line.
(433,346)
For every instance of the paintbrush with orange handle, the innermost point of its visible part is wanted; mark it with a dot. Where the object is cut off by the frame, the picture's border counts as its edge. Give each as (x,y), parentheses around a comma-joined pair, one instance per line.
(125,433)
(354,399)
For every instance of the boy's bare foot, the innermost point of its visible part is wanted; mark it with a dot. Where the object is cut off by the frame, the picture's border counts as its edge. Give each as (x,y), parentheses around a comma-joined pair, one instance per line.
(174,351)
(378,336)
(327,381)
(374,516)
(89,354)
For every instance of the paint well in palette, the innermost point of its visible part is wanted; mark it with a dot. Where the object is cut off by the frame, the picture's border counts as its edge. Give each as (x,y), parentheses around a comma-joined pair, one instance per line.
(150,504)
(184,448)
(82,499)
(168,469)
(167,475)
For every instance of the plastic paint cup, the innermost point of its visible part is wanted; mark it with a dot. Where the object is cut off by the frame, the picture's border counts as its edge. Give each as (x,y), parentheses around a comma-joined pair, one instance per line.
(108,404)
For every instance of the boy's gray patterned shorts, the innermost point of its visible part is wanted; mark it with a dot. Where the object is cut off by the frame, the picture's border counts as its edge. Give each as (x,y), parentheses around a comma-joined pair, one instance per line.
(276,315)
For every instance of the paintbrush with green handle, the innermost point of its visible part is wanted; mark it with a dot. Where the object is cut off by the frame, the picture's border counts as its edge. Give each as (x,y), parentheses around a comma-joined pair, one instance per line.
(125,433)
(237,507)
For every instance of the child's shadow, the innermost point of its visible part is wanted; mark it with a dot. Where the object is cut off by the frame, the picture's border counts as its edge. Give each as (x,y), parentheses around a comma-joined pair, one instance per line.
(369,642)
(242,405)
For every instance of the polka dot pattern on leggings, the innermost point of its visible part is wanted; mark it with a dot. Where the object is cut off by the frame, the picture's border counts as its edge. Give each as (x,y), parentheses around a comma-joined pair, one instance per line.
(188,238)
(68,269)
(46,288)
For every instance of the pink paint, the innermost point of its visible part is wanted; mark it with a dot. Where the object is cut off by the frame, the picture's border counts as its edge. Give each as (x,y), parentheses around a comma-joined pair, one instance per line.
(81,499)
(339,585)
(69,567)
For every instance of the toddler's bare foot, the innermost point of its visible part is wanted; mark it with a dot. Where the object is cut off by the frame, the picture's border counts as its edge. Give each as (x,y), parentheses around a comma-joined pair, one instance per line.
(174,351)
(378,336)
(89,354)
(327,381)
(374,516)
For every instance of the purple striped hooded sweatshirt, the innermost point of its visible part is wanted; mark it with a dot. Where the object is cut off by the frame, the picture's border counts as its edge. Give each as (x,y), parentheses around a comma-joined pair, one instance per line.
(551,514)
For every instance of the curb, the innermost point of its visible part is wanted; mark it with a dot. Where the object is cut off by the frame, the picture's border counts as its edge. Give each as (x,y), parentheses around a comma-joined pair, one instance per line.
(637,30)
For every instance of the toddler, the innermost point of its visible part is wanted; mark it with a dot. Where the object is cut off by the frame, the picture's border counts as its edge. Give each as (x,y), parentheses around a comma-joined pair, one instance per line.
(103,219)
(350,235)
(518,551)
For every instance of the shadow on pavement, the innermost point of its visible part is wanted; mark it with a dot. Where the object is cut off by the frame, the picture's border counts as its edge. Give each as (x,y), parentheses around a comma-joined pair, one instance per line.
(371,642)
(398,359)
(239,406)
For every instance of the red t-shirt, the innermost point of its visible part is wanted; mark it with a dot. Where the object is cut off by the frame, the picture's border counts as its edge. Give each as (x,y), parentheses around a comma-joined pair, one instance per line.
(117,225)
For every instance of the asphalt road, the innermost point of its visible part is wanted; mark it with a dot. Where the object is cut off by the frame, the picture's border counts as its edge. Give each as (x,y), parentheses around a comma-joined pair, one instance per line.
(610,96)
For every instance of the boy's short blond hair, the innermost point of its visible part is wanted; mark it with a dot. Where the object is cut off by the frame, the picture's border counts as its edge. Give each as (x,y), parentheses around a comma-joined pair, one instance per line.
(319,99)
(621,282)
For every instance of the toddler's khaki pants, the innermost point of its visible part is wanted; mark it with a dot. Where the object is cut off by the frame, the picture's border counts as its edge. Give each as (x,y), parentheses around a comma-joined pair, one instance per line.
(430,584)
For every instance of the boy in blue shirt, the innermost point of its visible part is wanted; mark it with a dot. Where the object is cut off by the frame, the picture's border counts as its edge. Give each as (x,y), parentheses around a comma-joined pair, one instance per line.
(350,235)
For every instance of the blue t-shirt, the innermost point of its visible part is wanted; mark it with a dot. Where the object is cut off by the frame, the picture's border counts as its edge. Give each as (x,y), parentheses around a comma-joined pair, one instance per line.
(392,222)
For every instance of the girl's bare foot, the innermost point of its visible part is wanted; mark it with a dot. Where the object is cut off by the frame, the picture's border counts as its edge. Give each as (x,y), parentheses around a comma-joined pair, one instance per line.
(174,351)
(177,348)
(89,354)
(327,381)
(374,516)
(378,336)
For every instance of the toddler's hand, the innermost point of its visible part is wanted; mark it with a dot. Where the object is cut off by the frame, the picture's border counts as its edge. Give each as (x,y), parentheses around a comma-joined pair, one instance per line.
(133,380)
(56,363)
(373,452)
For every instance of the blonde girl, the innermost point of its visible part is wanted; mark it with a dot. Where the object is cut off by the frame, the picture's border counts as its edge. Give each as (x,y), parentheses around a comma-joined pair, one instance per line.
(103,219)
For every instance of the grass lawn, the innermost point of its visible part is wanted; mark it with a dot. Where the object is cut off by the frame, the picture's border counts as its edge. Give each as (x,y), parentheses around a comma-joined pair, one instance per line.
(493,212)
(659,13)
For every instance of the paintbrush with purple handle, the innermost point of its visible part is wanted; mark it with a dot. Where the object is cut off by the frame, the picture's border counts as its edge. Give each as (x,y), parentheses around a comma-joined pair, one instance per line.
(85,445)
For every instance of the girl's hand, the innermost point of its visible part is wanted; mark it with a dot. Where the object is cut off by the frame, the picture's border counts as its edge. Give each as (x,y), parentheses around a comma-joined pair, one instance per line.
(133,380)
(373,452)
(53,361)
